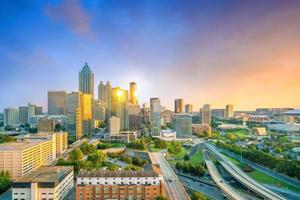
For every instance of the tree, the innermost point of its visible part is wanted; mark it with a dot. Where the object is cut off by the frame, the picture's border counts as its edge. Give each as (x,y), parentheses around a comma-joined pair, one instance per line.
(6,138)
(199,170)
(5,182)
(198,196)
(178,166)
(76,155)
(87,148)
(175,147)
(161,198)
(161,144)
(97,158)
(186,157)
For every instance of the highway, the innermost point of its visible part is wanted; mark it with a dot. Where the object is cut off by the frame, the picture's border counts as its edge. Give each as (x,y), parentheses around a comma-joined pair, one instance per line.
(173,187)
(243,178)
(221,183)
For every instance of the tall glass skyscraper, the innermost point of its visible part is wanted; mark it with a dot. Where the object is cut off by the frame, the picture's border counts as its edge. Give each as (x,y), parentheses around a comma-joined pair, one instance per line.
(86,80)
(104,95)
(155,121)
(119,106)
(182,124)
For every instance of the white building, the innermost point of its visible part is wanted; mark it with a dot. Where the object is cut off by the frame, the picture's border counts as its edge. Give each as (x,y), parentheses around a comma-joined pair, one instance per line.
(114,125)
(47,182)
(11,116)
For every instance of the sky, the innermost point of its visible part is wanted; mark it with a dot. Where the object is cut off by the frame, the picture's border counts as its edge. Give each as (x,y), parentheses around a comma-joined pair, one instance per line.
(245,53)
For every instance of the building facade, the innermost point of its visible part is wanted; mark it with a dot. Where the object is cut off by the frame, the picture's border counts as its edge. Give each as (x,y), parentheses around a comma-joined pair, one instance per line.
(86,80)
(155,119)
(206,114)
(132,93)
(104,95)
(189,108)
(218,113)
(57,102)
(114,126)
(11,116)
(44,183)
(119,106)
(178,105)
(229,111)
(45,124)
(121,185)
(182,124)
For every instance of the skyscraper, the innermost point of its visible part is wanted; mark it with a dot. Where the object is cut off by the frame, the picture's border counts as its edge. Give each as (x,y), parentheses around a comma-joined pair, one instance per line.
(119,106)
(23,114)
(229,111)
(189,108)
(205,112)
(86,80)
(178,106)
(132,91)
(57,102)
(11,116)
(182,123)
(79,114)
(104,95)
(155,120)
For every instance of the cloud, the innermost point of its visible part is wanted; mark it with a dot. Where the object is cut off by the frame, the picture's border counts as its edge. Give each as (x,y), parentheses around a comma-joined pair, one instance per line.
(72,14)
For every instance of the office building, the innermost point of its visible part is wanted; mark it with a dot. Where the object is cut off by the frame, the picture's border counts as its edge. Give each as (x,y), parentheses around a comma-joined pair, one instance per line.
(57,119)
(119,106)
(20,158)
(38,110)
(11,117)
(206,114)
(105,184)
(45,124)
(136,122)
(155,119)
(121,137)
(99,110)
(23,114)
(57,102)
(31,110)
(218,113)
(188,108)
(104,95)
(86,80)
(79,114)
(46,182)
(114,125)
(132,93)
(229,111)
(178,106)
(167,116)
(182,124)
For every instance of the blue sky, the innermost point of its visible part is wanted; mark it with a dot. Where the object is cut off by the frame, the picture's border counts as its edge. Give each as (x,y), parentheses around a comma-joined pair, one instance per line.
(214,52)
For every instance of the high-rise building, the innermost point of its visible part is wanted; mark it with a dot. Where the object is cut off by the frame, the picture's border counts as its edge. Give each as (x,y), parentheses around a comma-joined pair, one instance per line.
(38,110)
(229,111)
(57,102)
(23,114)
(218,113)
(20,158)
(11,116)
(86,80)
(114,125)
(182,124)
(206,114)
(79,114)
(31,110)
(104,95)
(178,106)
(189,108)
(45,124)
(155,120)
(166,116)
(99,110)
(132,93)
(119,106)
(46,182)
(119,184)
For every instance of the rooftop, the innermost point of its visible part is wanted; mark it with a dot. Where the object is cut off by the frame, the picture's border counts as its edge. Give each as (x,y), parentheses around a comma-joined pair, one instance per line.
(17,145)
(46,174)
(121,173)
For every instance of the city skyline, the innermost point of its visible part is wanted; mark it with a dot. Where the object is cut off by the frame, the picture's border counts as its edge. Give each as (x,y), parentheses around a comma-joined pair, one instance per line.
(241,53)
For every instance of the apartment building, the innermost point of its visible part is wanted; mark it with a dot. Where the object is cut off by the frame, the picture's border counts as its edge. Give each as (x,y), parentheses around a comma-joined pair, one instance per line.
(44,183)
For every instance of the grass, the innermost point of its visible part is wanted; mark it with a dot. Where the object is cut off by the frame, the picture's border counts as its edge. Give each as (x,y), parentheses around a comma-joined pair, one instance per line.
(179,156)
(239,132)
(196,158)
(153,148)
(264,178)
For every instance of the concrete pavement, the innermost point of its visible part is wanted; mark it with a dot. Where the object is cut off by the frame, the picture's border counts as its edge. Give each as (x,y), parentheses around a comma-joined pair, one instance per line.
(173,187)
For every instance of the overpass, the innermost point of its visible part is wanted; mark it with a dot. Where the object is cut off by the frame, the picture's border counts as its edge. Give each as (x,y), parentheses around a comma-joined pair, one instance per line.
(243,178)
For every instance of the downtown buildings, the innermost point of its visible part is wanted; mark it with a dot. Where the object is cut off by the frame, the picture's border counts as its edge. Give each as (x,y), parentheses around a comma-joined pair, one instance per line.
(178,105)
(155,120)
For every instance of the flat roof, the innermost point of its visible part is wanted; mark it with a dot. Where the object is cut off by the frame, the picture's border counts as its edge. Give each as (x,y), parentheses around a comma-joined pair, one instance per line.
(121,173)
(18,145)
(46,174)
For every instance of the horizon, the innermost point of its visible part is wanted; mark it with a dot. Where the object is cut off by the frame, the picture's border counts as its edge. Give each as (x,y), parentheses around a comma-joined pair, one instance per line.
(230,52)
